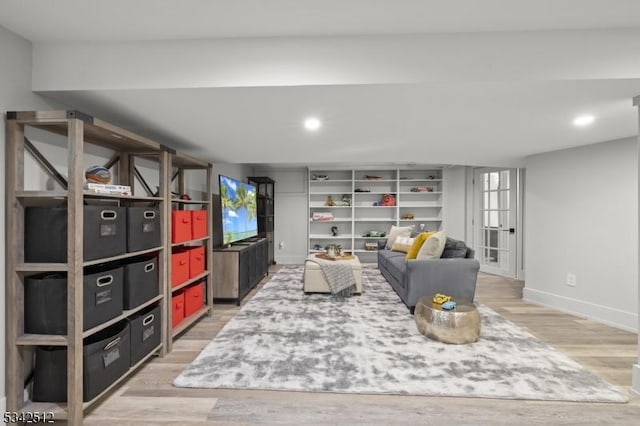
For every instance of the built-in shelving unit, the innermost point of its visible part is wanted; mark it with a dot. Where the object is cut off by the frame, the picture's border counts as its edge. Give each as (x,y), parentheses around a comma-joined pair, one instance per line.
(357,195)
(81,130)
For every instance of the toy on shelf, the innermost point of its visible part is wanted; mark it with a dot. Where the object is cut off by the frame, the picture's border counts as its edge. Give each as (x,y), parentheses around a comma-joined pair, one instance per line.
(409,216)
(329,202)
(98,174)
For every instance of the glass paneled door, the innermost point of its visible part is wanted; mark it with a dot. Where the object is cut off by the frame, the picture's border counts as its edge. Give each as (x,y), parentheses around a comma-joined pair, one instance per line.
(495,221)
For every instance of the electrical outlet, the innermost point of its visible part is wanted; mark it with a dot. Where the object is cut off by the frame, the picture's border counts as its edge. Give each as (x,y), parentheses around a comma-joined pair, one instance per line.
(571,280)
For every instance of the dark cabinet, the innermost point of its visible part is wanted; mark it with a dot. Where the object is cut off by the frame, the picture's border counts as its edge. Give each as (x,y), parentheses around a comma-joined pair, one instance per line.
(265,188)
(238,269)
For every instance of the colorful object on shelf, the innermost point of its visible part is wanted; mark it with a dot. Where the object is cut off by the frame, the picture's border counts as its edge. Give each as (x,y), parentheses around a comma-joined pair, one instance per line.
(198,224)
(388,200)
(449,306)
(177,309)
(196,261)
(180,226)
(439,298)
(322,216)
(193,299)
(98,174)
(329,202)
(372,177)
(409,216)
(422,189)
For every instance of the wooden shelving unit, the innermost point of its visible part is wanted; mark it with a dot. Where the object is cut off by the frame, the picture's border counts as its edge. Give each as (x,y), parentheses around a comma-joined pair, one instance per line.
(180,166)
(79,130)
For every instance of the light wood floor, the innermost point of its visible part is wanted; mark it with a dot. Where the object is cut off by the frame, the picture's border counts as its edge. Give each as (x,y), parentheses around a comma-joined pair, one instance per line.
(148,398)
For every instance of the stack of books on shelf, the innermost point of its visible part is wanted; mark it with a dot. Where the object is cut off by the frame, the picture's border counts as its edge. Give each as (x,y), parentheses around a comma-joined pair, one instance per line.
(100,188)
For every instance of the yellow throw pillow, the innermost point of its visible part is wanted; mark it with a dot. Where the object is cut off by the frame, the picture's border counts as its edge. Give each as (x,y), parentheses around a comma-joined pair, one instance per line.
(433,246)
(417,244)
(402,244)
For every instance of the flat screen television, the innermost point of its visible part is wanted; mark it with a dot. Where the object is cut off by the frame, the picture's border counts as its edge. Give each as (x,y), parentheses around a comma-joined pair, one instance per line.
(238,210)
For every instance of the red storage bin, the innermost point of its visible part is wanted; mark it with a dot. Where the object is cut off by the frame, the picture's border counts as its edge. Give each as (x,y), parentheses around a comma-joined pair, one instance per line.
(177,309)
(196,261)
(193,299)
(179,266)
(180,226)
(198,224)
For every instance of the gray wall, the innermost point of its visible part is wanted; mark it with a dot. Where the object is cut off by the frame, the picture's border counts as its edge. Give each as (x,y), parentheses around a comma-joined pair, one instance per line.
(581,210)
(15,94)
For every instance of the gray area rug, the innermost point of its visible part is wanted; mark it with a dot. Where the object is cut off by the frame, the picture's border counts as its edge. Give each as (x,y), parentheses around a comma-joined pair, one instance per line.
(286,340)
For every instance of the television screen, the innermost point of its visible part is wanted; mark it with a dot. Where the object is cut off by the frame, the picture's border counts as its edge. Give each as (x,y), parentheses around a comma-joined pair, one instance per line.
(238,206)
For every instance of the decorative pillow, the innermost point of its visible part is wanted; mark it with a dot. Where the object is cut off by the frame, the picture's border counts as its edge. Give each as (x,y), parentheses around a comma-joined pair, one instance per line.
(402,244)
(433,246)
(454,249)
(395,232)
(417,244)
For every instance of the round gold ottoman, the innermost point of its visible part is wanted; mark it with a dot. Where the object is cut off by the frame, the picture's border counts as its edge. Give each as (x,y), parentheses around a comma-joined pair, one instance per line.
(462,325)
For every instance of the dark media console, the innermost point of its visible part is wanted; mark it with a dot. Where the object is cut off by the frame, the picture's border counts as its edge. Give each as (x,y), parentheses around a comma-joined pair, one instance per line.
(238,269)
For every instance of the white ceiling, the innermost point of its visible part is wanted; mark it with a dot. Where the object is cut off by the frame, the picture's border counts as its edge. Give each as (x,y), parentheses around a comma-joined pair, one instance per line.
(477,82)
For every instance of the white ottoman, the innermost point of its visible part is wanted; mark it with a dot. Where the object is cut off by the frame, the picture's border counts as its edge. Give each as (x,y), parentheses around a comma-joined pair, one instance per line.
(314,281)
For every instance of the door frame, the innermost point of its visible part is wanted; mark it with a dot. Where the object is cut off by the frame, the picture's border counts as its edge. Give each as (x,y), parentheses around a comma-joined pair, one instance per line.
(473,215)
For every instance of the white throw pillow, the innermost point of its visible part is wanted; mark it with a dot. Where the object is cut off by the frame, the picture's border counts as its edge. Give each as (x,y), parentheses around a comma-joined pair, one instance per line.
(433,247)
(397,231)
(402,244)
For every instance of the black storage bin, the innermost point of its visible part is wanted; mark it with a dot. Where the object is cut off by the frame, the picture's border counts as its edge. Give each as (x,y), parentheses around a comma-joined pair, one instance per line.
(106,357)
(140,282)
(45,300)
(45,231)
(145,332)
(143,228)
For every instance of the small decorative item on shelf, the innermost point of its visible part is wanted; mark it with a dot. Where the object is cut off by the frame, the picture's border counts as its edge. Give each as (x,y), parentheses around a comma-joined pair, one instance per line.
(369,246)
(388,200)
(322,216)
(422,189)
(329,202)
(361,190)
(317,247)
(334,231)
(431,177)
(372,177)
(98,174)
(375,234)
(319,177)
(408,216)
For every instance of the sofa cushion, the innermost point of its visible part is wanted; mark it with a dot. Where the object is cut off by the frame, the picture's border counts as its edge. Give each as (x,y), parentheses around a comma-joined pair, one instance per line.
(412,253)
(433,246)
(397,267)
(454,249)
(395,232)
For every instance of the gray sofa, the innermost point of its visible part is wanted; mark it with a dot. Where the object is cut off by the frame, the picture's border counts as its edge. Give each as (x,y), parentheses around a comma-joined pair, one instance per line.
(454,274)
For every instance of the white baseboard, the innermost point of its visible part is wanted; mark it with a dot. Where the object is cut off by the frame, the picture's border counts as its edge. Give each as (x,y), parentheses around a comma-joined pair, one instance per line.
(635,381)
(290,260)
(627,321)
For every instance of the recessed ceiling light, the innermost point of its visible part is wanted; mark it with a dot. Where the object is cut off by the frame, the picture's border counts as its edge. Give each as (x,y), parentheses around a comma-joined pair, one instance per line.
(583,120)
(312,124)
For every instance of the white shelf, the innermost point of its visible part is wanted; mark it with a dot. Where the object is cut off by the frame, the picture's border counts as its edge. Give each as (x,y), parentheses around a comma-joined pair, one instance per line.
(330,181)
(420,192)
(375,180)
(329,236)
(331,221)
(373,219)
(422,219)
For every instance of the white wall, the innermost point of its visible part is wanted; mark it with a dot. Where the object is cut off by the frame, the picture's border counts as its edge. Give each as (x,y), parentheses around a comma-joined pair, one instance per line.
(455,202)
(581,211)
(15,94)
